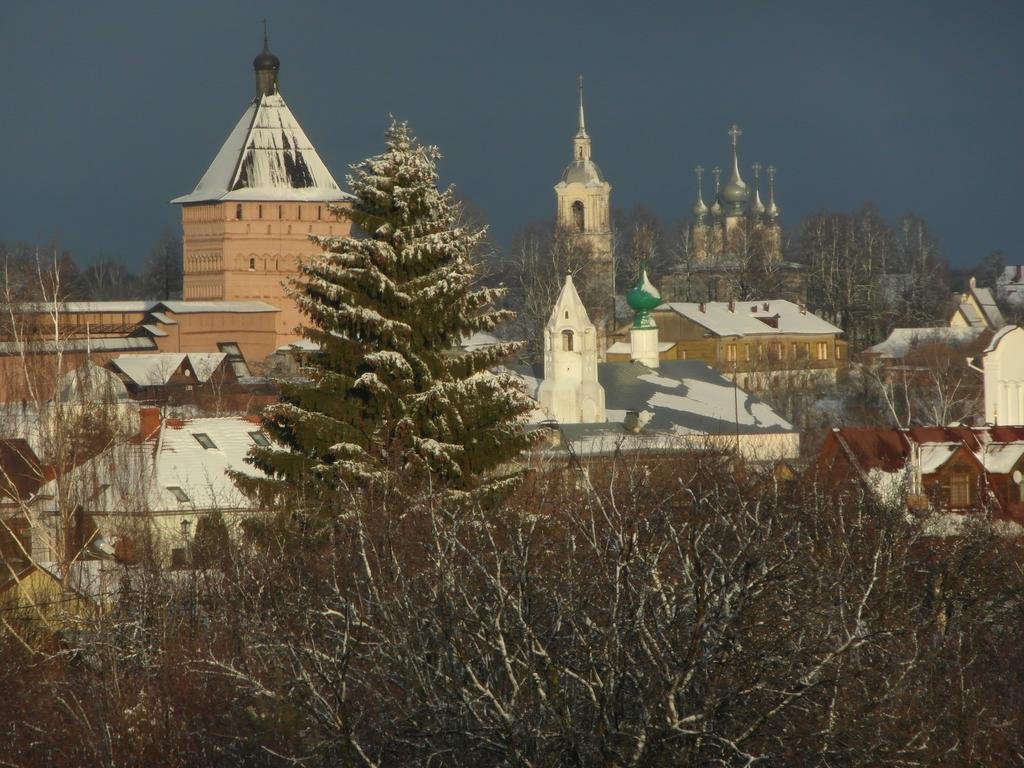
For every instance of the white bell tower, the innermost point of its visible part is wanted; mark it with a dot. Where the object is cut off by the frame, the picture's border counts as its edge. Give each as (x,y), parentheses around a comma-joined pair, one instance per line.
(570,393)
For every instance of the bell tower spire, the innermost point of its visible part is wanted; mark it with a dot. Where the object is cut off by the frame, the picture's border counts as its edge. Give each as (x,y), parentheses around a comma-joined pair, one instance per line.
(581,142)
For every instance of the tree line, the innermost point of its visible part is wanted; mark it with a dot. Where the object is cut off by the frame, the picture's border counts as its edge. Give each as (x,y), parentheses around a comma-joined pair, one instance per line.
(26,268)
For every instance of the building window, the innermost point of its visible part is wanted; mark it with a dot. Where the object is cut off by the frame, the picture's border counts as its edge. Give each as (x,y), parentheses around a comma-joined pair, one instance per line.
(319,212)
(577,216)
(280,212)
(959,491)
(567,341)
(238,211)
(178,493)
(204,440)
(300,212)
(730,353)
(234,358)
(252,265)
(259,212)
(839,352)
(746,352)
(823,350)
(259,438)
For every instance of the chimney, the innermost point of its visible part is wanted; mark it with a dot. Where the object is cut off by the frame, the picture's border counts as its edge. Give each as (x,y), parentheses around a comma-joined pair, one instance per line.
(765,306)
(753,307)
(1017,273)
(732,305)
(701,307)
(803,310)
(149,421)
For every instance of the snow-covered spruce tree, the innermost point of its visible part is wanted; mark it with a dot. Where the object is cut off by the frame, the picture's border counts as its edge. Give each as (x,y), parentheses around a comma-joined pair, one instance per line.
(390,396)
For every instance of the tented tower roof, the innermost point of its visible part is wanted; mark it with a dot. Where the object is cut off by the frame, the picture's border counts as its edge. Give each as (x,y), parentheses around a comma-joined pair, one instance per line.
(266,157)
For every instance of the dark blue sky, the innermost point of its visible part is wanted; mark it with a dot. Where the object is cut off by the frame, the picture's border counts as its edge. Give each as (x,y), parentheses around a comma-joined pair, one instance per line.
(109,109)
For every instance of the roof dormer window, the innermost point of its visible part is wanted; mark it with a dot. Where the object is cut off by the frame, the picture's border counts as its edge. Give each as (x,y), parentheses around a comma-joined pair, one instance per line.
(178,493)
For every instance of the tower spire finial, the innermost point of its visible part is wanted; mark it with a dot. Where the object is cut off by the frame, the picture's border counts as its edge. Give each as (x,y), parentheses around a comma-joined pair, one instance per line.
(266,37)
(772,210)
(699,207)
(757,207)
(583,123)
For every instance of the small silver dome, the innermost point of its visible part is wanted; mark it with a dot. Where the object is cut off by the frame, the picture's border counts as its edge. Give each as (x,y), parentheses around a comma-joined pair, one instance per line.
(583,172)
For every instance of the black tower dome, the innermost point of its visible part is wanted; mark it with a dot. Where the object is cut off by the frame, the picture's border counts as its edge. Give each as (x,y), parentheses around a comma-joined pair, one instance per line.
(267,65)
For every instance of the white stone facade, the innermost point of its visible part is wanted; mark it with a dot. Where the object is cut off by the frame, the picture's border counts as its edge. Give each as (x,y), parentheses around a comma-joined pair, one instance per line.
(570,392)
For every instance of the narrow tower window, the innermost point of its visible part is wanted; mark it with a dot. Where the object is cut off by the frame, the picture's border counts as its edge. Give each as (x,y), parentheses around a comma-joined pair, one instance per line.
(252,264)
(260,212)
(577,215)
(238,211)
(567,341)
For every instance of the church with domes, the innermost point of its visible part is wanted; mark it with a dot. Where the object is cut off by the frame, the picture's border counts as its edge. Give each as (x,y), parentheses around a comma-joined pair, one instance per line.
(737,220)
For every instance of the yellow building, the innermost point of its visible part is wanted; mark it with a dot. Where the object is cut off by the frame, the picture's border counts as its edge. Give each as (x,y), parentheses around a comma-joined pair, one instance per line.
(583,209)
(249,221)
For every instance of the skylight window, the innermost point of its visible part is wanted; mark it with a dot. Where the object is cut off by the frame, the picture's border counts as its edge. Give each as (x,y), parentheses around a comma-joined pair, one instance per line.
(259,438)
(204,440)
(179,494)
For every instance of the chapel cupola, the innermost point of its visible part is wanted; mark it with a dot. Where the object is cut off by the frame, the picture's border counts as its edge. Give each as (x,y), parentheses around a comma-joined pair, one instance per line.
(643,336)
(267,66)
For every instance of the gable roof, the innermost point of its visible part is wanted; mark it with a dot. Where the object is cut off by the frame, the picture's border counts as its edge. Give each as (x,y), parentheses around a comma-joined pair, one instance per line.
(138,476)
(748,318)
(888,449)
(157,369)
(900,341)
(987,304)
(267,156)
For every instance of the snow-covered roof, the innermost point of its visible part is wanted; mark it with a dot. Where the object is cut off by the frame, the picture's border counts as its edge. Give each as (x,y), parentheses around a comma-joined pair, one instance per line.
(90,307)
(478,340)
(156,370)
(900,340)
(103,344)
(205,363)
(137,477)
(752,317)
(90,383)
(681,397)
(985,300)
(267,156)
(625,348)
(302,345)
(971,316)
(149,370)
(193,307)
(181,461)
(152,306)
